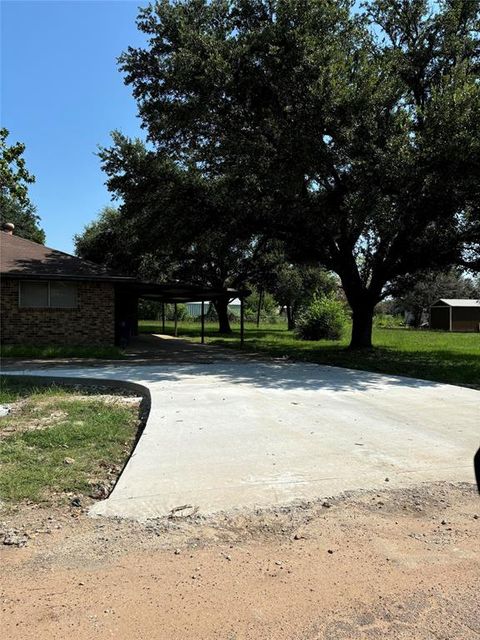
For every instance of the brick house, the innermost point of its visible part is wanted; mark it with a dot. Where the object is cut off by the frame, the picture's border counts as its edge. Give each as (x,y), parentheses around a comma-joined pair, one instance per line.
(48,297)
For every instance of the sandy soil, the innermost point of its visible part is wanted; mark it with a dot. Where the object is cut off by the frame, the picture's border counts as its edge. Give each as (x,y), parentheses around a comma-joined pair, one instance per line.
(393,564)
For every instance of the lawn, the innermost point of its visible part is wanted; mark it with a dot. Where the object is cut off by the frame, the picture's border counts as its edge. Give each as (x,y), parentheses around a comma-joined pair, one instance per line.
(20,351)
(431,355)
(59,441)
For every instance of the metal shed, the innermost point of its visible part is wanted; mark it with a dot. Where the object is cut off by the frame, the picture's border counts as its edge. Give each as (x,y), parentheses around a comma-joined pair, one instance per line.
(455,315)
(195,308)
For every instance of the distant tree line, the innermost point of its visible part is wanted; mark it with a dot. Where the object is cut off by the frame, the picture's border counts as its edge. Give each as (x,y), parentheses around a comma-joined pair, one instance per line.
(415,296)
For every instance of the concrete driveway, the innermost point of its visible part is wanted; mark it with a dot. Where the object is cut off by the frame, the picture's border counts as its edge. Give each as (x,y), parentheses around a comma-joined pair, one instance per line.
(244,434)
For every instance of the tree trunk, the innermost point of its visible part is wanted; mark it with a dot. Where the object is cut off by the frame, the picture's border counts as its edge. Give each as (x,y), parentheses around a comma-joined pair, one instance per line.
(221,307)
(290,320)
(362,322)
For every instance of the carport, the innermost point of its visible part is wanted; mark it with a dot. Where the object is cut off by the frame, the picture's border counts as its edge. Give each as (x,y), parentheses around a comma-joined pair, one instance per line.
(127,297)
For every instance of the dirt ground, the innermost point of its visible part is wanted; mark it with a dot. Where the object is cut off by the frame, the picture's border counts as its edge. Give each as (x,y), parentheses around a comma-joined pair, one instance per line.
(401,564)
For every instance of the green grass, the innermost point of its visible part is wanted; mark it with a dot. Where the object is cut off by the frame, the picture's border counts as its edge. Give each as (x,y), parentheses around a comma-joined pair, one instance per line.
(431,355)
(51,425)
(20,351)
(15,388)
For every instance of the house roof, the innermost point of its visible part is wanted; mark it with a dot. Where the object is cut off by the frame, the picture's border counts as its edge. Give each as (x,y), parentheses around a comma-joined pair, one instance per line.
(21,258)
(458,302)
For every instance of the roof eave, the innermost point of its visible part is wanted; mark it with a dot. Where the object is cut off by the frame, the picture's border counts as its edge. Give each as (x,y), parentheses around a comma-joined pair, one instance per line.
(63,276)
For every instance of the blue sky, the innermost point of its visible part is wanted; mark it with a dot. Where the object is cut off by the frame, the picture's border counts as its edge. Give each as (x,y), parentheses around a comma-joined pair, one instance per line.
(62,94)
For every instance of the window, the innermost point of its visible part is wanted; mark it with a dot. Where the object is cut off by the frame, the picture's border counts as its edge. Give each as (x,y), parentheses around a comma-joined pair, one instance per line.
(63,295)
(48,295)
(34,294)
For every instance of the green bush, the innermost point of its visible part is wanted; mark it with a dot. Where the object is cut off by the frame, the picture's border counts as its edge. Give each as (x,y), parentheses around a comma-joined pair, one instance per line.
(323,319)
(388,321)
(182,312)
(149,310)
(265,318)
(152,310)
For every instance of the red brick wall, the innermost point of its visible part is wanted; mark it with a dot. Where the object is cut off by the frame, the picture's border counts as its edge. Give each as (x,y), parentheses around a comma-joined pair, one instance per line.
(91,323)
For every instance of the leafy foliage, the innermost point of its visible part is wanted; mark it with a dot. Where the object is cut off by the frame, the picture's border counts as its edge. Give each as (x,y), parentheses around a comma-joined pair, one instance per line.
(172,224)
(353,136)
(296,285)
(323,319)
(14,177)
(388,321)
(418,295)
(15,205)
(267,303)
(111,240)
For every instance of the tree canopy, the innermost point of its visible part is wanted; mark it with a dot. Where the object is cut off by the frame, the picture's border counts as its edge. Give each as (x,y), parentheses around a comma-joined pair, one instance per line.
(172,224)
(351,135)
(15,205)
(417,296)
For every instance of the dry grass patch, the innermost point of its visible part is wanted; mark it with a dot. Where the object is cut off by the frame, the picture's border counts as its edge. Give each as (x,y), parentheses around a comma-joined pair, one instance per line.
(57,442)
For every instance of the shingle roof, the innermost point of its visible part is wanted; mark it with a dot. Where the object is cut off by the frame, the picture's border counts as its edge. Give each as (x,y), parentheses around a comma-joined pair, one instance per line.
(26,259)
(459,302)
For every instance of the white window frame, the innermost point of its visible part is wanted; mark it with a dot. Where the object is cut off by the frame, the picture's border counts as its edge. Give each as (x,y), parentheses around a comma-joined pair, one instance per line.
(49,305)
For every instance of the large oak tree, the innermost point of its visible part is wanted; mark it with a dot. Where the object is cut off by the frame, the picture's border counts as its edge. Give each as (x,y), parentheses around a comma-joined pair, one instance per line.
(352,135)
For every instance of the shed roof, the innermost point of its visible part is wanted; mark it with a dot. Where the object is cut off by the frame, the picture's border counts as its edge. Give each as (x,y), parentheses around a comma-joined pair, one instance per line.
(458,302)
(21,258)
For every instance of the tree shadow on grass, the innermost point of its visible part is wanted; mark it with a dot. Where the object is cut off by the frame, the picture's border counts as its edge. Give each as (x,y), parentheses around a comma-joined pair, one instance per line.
(442,366)
(447,366)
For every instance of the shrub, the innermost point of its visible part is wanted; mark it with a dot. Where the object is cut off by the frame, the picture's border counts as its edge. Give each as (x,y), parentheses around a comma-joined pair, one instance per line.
(388,321)
(265,318)
(149,309)
(152,310)
(323,319)
(182,312)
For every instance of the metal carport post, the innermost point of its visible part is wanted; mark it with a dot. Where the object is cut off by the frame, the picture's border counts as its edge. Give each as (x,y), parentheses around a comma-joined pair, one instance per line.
(242,322)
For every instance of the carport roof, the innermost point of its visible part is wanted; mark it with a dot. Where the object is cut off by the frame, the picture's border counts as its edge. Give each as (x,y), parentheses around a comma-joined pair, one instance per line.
(181,292)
